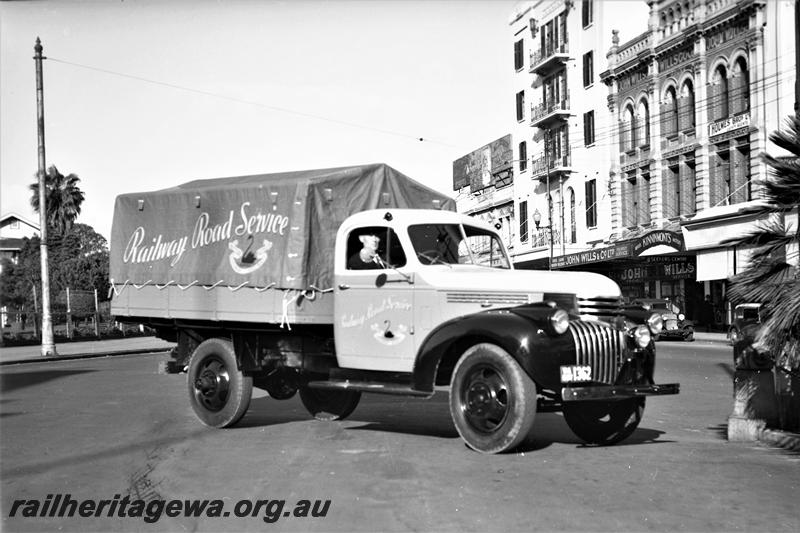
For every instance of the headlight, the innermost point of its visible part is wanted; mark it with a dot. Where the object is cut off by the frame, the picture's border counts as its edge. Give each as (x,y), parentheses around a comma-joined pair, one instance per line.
(655,323)
(681,316)
(559,321)
(642,336)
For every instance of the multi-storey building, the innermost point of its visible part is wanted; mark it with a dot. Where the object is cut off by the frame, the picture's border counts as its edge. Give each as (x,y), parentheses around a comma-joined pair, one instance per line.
(694,99)
(562,126)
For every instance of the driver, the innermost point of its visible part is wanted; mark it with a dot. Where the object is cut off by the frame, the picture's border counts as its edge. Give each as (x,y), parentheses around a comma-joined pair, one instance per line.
(367,257)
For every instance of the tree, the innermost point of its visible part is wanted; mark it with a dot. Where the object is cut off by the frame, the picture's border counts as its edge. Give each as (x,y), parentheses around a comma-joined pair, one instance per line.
(63,199)
(771,278)
(79,260)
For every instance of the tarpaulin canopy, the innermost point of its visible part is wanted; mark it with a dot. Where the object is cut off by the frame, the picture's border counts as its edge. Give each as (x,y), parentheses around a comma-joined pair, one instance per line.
(264,230)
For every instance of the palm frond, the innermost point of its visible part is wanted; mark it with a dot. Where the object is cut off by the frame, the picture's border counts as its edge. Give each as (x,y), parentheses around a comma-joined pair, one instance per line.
(788,138)
(762,283)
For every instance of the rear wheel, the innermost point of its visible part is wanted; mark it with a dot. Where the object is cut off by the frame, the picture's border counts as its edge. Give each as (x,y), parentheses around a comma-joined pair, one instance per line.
(327,404)
(604,423)
(492,400)
(219,393)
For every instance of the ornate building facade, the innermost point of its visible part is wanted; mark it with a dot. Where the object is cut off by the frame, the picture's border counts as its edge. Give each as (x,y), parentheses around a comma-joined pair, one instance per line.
(695,98)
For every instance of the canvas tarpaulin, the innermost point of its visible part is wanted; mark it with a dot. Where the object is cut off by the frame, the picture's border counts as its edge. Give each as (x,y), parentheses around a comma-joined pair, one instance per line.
(263,230)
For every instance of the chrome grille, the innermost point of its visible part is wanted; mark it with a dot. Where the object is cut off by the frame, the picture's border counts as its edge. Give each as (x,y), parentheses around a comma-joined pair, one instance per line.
(495,298)
(599,346)
(599,308)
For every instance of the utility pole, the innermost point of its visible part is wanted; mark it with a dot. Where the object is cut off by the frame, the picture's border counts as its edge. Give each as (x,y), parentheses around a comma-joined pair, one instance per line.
(547,197)
(48,346)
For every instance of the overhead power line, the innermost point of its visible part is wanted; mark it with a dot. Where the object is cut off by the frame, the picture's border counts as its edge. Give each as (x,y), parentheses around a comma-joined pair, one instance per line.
(254,103)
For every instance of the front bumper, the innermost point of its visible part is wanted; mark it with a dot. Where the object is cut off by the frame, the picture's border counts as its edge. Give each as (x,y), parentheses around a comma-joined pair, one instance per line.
(617,392)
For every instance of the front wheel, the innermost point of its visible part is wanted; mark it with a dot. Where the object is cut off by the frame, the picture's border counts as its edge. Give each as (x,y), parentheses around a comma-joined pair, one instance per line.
(492,399)
(329,404)
(220,393)
(604,423)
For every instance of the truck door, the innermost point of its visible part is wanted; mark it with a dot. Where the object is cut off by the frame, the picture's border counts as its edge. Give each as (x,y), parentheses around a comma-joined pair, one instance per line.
(373,319)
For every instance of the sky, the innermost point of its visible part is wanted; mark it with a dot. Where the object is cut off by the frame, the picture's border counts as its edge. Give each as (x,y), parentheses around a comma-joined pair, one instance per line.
(145,95)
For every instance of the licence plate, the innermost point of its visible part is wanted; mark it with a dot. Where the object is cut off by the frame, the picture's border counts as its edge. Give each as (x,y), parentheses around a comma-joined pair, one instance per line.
(573,373)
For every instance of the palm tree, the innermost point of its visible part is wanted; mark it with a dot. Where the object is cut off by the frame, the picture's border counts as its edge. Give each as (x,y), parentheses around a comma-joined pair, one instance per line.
(63,199)
(771,278)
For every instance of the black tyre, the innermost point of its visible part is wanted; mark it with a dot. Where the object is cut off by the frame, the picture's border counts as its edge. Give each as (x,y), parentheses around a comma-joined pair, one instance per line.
(220,394)
(492,399)
(604,423)
(688,335)
(327,404)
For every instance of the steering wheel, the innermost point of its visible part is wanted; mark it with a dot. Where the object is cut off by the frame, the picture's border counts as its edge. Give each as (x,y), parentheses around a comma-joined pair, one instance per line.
(432,256)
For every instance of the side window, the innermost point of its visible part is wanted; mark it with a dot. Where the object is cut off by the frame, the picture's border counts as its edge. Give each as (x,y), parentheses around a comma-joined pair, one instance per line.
(374,247)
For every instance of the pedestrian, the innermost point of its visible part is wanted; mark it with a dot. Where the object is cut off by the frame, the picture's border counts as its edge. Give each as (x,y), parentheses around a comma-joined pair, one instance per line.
(707,313)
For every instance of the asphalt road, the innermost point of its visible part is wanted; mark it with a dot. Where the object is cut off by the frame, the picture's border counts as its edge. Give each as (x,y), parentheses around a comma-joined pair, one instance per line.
(113,428)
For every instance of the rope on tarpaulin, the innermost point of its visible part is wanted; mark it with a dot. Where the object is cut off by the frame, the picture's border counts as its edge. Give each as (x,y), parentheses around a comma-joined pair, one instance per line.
(290,296)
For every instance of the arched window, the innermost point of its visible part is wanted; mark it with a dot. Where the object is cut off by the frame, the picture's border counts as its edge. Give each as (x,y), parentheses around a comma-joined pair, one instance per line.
(628,129)
(719,93)
(643,124)
(740,87)
(686,107)
(669,113)
(573,230)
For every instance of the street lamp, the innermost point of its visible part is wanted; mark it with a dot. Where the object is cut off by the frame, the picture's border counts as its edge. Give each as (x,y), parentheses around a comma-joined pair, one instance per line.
(537,220)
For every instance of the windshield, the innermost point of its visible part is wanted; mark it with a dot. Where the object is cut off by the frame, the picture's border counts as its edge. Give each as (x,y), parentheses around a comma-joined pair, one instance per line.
(453,244)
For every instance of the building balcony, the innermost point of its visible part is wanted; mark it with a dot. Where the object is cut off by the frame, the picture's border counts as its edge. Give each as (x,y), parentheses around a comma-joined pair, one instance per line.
(552,165)
(548,113)
(547,60)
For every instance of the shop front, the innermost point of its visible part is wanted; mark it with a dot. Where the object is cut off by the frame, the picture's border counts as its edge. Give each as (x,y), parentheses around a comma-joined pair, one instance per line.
(653,265)
(705,235)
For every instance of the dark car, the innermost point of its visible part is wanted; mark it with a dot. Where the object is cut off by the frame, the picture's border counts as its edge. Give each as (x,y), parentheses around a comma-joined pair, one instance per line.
(675,324)
(746,319)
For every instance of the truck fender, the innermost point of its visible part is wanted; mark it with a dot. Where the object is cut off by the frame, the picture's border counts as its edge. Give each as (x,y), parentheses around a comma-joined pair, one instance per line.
(522,335)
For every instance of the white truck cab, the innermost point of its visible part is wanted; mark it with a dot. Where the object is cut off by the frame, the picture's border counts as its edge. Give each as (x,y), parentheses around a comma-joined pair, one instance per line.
(434,266)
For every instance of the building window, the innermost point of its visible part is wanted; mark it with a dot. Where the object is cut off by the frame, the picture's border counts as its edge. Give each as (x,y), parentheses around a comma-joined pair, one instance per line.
(672,190)
(520,106)
(719,94)
(643,123)
(669,113)
(519,58)
(643,201)
(742,184)
(588,69)
(573,230)
(591,203)
(686,108)
(523,221)
(523,156)
(587,12)
(721,190)
(554,91)
(628,130)
(588,128)
(688,179)
(739,88)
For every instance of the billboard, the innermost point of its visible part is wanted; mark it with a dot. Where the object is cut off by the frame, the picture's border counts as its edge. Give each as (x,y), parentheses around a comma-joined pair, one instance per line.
(479,169)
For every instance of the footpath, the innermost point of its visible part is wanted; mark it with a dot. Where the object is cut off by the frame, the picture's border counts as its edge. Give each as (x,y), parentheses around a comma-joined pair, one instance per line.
(137,345)
(10,355)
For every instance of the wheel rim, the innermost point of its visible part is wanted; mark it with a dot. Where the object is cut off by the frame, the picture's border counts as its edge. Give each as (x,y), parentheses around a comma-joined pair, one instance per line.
(212,384)
(484,399)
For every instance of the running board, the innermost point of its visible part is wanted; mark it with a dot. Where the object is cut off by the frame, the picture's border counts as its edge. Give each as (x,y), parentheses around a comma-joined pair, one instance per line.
(369,386)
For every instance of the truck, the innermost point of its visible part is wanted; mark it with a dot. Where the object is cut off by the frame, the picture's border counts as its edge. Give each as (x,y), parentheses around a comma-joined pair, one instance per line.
(249,277)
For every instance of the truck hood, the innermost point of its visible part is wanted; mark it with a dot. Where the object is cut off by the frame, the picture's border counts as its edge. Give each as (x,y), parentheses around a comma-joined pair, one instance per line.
(483,279)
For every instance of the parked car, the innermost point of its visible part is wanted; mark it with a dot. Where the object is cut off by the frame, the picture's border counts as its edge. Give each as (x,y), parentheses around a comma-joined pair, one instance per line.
(746,320)
(675,324)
